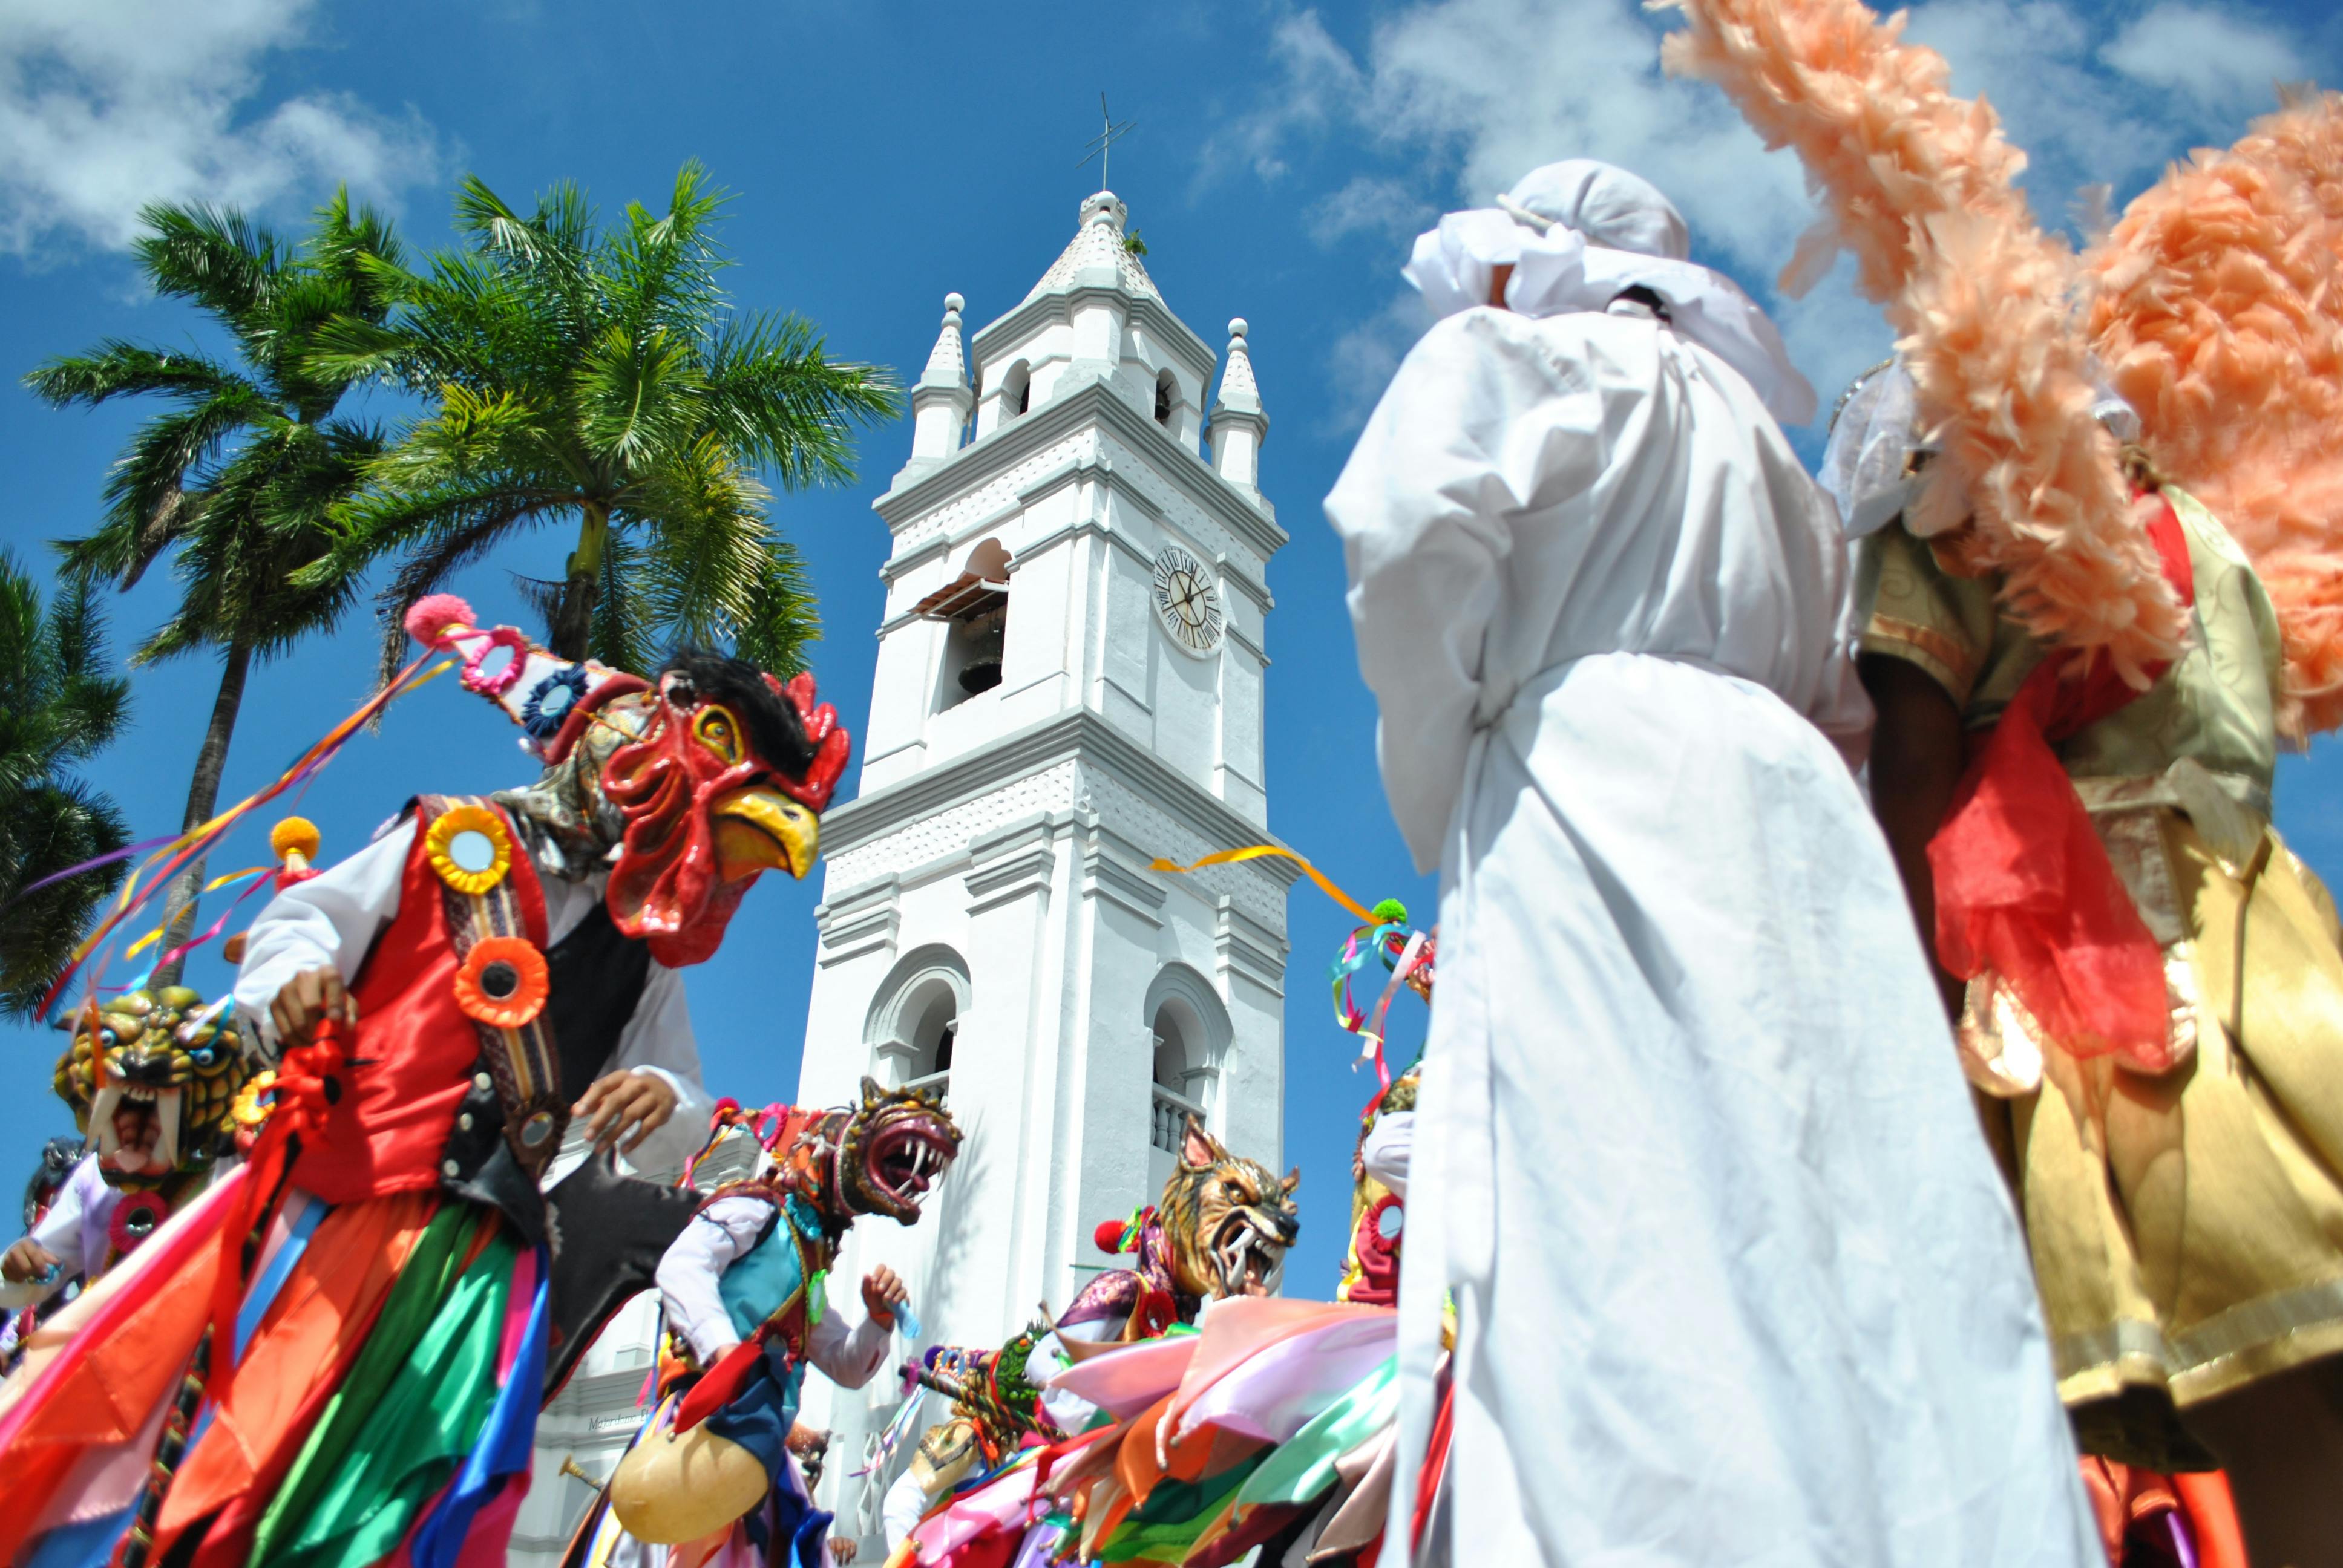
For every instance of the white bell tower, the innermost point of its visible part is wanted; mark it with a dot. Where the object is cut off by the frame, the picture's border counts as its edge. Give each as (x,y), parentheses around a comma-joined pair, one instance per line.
(1069,684)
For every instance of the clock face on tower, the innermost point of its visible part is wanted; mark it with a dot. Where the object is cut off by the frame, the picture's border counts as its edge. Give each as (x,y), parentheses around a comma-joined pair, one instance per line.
(1188,601)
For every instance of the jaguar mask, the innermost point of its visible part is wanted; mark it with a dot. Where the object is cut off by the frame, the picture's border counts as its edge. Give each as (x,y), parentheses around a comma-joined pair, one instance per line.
(151,1076)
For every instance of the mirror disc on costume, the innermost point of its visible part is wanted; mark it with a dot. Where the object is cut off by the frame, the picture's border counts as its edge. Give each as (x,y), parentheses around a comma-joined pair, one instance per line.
(136,1218)
(536,1129)
(502,982)
(469,847)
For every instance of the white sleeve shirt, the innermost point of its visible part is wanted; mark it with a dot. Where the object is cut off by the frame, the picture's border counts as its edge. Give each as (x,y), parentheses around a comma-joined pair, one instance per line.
(719,1236)
(1387,1148)
(907,1500)
(73,1231)
(335,917)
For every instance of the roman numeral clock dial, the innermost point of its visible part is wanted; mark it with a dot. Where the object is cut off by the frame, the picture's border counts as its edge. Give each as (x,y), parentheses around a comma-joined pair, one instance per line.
(1188,602)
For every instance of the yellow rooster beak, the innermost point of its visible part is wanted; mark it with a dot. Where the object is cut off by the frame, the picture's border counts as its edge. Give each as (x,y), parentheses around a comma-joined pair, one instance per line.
(759,828)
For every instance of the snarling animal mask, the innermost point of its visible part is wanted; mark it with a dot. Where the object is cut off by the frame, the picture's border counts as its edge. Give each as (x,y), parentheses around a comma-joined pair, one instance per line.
(699,781)
(1228,1220)
(882,1156)
(151,1075)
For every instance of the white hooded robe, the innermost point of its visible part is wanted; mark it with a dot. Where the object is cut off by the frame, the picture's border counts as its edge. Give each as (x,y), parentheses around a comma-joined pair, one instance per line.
(1737,1280)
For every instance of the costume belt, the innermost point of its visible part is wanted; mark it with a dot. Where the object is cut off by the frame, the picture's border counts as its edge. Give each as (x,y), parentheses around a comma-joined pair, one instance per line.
(2229,810)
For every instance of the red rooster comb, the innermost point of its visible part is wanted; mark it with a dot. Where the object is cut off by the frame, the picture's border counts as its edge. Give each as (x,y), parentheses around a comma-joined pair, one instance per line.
(831,744)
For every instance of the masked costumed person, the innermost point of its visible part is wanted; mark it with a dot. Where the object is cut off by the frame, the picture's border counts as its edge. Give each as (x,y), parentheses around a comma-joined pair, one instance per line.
(1218,1234)
(2167,1105)
(713,1477)
(1690,1149)
(2082,672)
(398,1295)
(30,1273)
(152,1076)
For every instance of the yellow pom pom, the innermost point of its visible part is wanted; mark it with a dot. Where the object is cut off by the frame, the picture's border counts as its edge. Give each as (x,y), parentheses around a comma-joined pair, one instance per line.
(293,836)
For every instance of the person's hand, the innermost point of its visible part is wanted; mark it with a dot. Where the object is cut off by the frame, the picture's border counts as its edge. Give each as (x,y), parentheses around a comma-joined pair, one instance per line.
(309,1000)
(842,1549)
(882,1292)
(25,1262)
(620,1100)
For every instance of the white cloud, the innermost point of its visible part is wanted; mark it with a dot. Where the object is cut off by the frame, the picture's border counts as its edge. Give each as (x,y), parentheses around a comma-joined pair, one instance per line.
(1471,93)
(1370,204)
(1363,360)
(1454,99)
(107,107)
(2222,61)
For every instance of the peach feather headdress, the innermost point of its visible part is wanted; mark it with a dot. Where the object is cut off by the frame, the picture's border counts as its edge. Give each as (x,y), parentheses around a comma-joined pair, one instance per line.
(1921,189)
(2218,312)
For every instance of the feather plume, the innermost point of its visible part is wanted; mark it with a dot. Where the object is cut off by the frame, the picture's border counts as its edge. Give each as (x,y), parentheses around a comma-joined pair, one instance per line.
(2218,310)
(1921,188)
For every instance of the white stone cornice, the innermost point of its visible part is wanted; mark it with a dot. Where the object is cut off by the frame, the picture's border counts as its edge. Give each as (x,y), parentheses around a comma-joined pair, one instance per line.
(1058,306)
(1241,511)
(1081,734)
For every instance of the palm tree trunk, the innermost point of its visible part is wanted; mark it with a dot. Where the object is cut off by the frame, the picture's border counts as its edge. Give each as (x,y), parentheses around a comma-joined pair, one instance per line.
(203,798)
(573,617)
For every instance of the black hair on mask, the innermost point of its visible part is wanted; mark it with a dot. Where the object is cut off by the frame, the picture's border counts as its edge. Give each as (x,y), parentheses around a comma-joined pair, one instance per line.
(774,727)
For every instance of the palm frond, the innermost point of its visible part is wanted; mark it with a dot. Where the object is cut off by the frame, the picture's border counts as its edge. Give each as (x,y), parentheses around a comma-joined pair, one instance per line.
(782,621)
(461,537)
(120,369)
(778,401)
(625,629)
(638,399)
(214,257)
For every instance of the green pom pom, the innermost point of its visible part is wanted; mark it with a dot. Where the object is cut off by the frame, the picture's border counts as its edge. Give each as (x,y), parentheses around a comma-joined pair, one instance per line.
(1391,912)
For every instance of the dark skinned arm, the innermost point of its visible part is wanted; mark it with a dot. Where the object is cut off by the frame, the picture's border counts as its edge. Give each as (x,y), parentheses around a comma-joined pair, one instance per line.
(1916,756)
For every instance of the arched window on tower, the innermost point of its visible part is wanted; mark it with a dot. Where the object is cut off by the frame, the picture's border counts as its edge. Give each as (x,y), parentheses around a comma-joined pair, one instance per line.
(974,609)
(914,1024)
(1188,1039)
(932,1038)
(1167,398)
(1178,1046)
(1016,391)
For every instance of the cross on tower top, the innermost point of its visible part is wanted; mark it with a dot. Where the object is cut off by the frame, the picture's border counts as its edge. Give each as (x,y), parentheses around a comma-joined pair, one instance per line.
(1103,143)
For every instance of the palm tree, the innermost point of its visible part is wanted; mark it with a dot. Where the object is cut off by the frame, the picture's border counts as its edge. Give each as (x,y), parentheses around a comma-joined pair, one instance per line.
(240,477)
(57,707)
(600,374)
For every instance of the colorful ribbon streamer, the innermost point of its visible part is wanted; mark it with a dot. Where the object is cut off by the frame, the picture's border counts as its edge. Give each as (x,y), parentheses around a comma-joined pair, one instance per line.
(1257,851)
(169,856)
(897,1430)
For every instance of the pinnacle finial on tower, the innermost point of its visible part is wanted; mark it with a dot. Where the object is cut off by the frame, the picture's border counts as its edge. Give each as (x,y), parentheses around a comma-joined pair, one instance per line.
(947,361)
(1240,424)
(941,399)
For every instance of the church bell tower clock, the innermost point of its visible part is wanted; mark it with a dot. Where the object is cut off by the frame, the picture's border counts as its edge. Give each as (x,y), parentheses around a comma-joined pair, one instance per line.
(1069,684)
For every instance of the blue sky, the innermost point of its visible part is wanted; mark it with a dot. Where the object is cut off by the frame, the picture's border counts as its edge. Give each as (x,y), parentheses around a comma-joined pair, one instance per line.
(884,153)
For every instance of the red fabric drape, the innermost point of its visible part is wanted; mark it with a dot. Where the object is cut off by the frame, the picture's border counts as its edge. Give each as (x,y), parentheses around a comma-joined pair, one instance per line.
(2024,887)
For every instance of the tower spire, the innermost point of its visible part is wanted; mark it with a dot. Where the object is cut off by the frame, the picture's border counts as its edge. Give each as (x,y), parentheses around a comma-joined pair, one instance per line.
(940,400)
(1240,424)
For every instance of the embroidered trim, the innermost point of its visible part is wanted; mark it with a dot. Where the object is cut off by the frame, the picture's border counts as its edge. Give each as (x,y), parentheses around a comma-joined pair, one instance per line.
(2253,1338)
(1902,639)
(519,1057)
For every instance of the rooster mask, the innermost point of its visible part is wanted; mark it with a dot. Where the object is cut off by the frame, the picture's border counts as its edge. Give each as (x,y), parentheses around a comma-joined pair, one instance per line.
(689,787)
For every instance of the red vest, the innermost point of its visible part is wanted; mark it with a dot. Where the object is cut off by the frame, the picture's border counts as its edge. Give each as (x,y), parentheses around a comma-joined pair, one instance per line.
(414,1052)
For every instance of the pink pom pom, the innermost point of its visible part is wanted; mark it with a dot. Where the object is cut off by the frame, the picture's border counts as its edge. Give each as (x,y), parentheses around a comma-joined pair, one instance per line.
(429,619)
